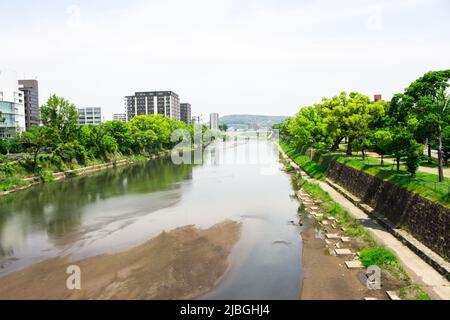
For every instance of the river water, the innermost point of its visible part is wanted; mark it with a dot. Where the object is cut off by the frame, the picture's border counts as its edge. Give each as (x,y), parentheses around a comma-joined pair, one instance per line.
(119,208)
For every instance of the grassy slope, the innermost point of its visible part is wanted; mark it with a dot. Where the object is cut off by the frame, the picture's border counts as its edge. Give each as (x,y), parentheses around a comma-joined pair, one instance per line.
(424,184)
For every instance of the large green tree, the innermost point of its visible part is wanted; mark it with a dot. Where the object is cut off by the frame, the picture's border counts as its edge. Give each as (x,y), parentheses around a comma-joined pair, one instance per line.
(352,116)
(61,116)
(426,100)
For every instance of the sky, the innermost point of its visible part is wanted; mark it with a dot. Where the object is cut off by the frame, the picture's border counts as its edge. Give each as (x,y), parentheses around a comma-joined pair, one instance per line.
(266,57)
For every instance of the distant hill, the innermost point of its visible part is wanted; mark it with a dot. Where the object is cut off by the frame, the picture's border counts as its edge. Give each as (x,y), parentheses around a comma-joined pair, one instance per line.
(250,121)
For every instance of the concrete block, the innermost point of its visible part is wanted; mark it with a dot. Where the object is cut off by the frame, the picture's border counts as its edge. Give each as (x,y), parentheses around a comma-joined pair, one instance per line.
(343,252)
(354,264)
(345,239)
(393,295)
(332,236)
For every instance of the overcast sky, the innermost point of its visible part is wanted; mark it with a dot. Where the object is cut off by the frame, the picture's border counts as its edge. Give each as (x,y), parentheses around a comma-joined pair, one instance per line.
(226,56)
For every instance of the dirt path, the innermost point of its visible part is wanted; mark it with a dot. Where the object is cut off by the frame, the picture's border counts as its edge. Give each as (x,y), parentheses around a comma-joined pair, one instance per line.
(180,264)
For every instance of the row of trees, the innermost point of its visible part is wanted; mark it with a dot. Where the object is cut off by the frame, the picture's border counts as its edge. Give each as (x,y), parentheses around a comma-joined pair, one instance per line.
(67,141)
(420,115)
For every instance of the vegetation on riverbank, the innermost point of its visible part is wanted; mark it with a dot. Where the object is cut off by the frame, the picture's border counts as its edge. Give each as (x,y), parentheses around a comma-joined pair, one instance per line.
(396,128)
(62,145)
(370,252)
(424,184)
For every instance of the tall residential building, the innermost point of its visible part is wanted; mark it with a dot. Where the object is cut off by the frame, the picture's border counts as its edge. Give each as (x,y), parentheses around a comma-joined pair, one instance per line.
(12,109)
(196,120)
(120,117)
(166,103)
(214,121)
(90,115)
(30,90)
(185,112)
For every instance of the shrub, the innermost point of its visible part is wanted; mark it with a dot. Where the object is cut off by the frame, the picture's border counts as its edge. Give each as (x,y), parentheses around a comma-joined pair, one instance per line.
(413,156)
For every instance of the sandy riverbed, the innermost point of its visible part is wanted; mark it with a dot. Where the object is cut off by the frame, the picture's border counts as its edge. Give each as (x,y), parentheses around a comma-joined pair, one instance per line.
(324,276)
(179,264)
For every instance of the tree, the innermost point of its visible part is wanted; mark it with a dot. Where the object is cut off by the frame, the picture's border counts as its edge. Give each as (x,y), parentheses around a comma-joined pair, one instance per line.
(413,155)
(307,128)
(4,146)
(441,112)
(62,116)
(382,142)
(121,132)
(426,100)
(70,151)
(352,116)
(97,141)
(446,144)
(223,127)
(34,140)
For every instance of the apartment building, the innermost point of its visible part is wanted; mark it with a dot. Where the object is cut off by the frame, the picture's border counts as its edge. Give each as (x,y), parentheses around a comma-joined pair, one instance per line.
(12,108)
(185,113)
(90,115)
(166,103)
(30,90)
(120,117)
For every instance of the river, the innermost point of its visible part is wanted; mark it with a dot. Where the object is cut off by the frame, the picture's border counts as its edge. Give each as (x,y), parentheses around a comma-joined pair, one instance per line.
(119,208)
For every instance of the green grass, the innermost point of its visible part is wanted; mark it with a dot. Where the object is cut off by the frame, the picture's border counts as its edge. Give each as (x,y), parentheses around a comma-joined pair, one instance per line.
(378,256)
(314,169)
(12,183)
(413,292)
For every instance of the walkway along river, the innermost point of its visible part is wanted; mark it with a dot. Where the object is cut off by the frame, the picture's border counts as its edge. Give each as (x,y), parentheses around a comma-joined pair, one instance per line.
(239,191)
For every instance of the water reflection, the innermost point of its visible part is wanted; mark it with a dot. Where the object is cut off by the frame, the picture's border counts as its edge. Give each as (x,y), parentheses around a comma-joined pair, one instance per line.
(59,208)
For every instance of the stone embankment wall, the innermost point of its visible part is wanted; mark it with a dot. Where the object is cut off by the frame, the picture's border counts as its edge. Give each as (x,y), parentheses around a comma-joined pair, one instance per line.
(426,220)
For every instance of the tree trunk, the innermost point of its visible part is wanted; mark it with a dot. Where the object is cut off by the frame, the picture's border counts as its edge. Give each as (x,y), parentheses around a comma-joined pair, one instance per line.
(398,164)
(363,154)
(430,160)
(349,147)
(382,160)
(336,144)
(440,165)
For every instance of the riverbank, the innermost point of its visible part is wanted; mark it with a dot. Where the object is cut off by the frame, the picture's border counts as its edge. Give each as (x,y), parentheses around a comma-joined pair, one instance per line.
(179,264)
(360,230)
(29,181)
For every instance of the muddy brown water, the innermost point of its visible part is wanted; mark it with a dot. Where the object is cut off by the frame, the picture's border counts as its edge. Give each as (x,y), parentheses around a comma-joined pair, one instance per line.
(121,208)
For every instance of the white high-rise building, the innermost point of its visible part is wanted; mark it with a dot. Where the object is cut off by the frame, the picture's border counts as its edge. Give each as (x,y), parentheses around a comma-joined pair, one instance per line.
(90,115)
(12,107)
(214,121)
